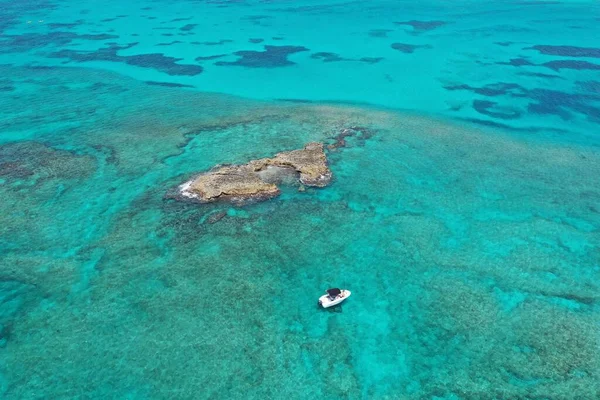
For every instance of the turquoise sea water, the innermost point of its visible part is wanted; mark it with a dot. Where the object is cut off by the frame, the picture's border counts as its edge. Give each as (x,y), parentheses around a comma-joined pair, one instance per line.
(466,222)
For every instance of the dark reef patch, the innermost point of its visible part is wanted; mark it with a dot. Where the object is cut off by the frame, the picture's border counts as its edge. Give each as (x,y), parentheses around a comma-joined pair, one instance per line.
(113,18)
(333,57)
(557,65)
(20,43)
(567,51)
(491,90)
(543,101)
(516,62)
(217,43)
(168,84)
(559,103)
(13,12)
(370,60)
(422,26)
(169,43)
(260,20)
(156,61)
(379,33)
(66,25)
(590,86)
(408,48)
(207,58)
(271,57)
(188,27)
(328,57)
(491,109)
(541,75)
(35,161)
(40,67)
(358,134)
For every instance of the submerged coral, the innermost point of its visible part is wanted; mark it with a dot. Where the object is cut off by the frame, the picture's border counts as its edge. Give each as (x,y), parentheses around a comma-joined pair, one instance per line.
(473,254)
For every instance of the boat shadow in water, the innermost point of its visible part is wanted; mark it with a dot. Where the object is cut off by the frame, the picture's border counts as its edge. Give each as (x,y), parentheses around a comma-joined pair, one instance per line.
(334,309)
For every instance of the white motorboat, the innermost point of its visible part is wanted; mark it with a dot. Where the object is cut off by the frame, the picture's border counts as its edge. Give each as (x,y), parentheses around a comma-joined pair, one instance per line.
(333,297)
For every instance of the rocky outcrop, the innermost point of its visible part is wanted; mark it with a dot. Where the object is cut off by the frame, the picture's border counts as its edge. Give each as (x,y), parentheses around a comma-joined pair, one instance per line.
(258,180)
(310,163)
(361,134)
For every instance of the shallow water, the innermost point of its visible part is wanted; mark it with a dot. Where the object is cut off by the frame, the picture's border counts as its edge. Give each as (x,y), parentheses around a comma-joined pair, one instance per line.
(472,251)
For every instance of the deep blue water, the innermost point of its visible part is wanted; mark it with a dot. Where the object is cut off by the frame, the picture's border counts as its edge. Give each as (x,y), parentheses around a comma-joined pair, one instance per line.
(465,219)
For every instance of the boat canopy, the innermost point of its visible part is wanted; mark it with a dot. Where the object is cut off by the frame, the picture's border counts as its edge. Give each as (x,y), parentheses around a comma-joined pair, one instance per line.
(334,292)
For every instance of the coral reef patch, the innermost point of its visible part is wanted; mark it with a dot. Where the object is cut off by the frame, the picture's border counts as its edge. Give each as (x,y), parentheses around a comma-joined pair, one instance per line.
(271,57)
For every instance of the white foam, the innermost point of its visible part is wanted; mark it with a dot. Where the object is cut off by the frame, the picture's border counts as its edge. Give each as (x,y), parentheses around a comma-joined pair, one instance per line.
(185,192)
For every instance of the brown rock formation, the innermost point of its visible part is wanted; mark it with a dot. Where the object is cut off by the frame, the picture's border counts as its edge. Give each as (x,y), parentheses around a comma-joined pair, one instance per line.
(358,132)
(258,179)
(310,162)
